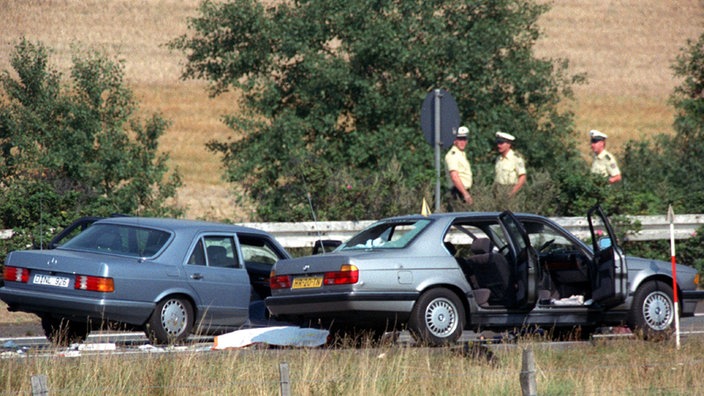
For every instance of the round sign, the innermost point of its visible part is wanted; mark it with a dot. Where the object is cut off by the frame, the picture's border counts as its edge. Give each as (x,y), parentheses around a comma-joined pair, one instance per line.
(449,117)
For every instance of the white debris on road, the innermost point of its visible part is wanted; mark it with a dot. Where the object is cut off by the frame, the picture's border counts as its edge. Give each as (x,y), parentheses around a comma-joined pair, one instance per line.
(278,336)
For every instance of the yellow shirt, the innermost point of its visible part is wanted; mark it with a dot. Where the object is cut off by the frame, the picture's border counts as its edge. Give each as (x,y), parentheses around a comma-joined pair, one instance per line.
(605,164)
(456,160)
(509,168)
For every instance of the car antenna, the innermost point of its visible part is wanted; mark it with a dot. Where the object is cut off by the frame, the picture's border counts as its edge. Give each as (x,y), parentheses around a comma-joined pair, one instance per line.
(315,219)
(41,221)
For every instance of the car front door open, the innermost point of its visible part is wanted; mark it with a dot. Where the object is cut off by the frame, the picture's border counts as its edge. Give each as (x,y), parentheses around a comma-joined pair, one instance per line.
(608,273)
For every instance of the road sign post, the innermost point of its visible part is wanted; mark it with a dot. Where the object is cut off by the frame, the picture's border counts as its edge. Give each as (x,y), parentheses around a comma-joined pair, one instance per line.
(439,119)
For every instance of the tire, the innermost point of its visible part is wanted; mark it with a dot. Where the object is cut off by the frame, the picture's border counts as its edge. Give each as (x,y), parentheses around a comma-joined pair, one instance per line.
(437,318)
(171,322)
(653,310)
(64,332)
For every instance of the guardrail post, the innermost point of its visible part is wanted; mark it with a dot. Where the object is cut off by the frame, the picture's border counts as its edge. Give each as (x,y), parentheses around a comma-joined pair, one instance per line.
(284,381)
(529,386)
(40,386)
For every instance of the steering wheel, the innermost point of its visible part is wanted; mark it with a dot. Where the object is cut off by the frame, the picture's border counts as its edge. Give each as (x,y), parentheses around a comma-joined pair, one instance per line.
(545,245)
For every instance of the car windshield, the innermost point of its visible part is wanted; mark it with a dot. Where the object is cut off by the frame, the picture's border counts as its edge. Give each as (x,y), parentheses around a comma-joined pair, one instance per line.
(386,235)
(119,239)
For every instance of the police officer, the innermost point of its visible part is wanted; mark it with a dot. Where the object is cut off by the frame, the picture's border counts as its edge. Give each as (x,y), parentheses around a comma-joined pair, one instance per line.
(459,169)
(604,163)
(510,167)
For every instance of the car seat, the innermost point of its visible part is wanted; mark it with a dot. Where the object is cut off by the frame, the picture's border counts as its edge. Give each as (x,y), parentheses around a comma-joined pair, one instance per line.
(491,271)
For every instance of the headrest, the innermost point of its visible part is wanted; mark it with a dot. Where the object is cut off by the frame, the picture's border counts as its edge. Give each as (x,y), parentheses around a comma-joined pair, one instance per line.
(481,246)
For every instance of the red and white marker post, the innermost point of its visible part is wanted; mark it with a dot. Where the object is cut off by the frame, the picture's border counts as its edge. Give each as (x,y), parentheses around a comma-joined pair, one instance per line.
(671,219)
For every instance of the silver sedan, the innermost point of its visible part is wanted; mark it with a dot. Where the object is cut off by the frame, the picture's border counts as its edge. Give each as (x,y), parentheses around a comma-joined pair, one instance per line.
(443,273)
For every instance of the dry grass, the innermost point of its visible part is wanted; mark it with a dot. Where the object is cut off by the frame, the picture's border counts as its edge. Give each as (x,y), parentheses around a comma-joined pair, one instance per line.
(616,367)
(625,47)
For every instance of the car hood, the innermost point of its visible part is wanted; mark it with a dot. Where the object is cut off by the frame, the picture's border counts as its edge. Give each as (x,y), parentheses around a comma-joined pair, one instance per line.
(641,268)
(639,263)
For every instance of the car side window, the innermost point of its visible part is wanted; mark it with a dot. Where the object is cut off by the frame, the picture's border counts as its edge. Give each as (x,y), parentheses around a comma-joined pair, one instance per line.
(215,251)
(221,251)
(198,255)
(258,250)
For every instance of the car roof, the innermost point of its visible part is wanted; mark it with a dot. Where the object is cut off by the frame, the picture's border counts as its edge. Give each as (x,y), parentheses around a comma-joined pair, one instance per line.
(453,215)
(179,224)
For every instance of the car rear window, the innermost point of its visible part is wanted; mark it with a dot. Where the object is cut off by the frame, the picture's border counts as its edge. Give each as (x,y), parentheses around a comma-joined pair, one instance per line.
(388,235)
(120,239)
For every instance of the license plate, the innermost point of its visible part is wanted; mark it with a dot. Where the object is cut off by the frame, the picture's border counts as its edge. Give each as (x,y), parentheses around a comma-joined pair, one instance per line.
(307,283)
(50,280)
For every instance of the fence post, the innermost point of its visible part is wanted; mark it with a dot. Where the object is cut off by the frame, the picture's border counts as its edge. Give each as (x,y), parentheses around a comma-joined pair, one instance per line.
(40,386)
(528,384)
(284,382)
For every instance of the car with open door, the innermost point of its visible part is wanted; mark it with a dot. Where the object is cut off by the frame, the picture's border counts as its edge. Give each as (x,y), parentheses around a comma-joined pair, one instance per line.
(439,274)
(167,277)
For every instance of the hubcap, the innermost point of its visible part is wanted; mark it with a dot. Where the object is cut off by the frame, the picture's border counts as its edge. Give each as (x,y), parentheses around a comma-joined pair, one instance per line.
(173,318)
(658,311)
(441,317)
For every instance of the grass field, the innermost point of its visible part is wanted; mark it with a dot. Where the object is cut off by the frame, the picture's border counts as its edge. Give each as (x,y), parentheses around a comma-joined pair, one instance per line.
(626,367)
(625,47)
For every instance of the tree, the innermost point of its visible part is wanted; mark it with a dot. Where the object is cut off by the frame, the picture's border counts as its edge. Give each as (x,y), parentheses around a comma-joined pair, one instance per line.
(77,148)
(332,92)
(688,142)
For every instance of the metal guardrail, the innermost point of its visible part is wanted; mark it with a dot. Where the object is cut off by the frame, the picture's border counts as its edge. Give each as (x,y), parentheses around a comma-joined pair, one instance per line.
(304,234)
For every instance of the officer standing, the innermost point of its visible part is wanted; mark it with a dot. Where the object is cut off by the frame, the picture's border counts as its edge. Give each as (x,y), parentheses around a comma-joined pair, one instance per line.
(510,167)
(604,163)
(459,169)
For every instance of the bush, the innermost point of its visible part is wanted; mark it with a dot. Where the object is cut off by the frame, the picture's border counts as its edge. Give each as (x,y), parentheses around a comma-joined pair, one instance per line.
(72,148)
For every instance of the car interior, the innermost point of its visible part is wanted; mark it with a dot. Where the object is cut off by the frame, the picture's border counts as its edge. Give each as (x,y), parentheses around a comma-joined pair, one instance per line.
(482,254)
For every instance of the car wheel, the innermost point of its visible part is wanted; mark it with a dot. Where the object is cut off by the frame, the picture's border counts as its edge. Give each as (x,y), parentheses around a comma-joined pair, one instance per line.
(437,318)
(64,332)
(653,309)
(171,322)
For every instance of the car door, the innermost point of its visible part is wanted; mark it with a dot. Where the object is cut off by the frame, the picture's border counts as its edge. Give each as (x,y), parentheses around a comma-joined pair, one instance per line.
(608,272)
(260,253)
(217,275)
(527,270)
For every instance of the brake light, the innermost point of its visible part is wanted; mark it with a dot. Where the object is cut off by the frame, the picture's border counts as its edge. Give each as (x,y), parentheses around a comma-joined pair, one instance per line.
(94,283)
(348,274)
(279,281)
(15,274)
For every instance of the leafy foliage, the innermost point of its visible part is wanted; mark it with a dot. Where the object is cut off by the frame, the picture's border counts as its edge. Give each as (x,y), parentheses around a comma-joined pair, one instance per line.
(75,149)
(333,92)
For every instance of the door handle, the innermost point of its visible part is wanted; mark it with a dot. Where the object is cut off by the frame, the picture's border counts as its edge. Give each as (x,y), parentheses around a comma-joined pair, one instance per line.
(196,276)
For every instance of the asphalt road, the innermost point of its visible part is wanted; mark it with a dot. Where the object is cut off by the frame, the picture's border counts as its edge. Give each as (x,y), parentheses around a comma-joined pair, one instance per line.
(135,342)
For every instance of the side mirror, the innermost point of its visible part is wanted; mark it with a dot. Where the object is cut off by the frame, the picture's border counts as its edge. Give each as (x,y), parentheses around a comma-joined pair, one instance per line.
(604,243)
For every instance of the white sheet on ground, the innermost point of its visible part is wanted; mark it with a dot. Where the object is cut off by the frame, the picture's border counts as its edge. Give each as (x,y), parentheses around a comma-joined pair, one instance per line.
(279,336)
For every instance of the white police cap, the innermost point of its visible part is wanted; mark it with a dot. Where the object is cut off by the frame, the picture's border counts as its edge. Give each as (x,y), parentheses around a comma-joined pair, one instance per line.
(504,137)
(462,132)
(597,135)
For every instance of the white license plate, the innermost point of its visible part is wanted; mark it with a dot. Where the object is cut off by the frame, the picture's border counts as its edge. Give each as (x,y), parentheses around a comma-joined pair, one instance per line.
(50,280)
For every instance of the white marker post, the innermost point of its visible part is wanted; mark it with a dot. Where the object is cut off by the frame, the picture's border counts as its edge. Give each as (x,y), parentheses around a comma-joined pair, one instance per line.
(671,219)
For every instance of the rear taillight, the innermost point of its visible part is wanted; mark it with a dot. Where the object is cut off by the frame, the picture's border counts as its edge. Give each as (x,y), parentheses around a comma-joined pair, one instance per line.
(15,274)
(94,283)
(348,274)
(279,281)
